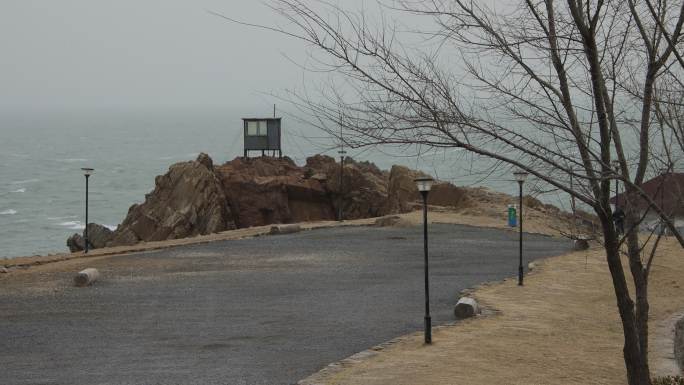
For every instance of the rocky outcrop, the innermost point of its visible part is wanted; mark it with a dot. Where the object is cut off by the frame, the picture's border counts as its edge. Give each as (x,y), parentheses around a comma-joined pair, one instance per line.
(402,192)
(75,243)
(98,236)
(362,191)
(402,189)
(265,190)
(198,197)
(187,201)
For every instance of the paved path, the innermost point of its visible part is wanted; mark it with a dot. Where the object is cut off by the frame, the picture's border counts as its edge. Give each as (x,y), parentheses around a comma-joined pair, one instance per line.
(268,310)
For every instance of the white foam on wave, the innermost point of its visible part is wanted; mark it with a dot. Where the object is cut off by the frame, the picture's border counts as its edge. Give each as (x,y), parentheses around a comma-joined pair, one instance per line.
(110,227)
(25,181)
(21,190)
(62,218)
(8,212)
(73,225)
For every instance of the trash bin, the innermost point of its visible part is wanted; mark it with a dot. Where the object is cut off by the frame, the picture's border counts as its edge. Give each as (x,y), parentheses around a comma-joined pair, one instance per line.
(512,216)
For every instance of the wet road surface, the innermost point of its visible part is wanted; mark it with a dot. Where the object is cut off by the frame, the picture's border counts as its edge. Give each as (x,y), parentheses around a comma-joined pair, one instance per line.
(267,310)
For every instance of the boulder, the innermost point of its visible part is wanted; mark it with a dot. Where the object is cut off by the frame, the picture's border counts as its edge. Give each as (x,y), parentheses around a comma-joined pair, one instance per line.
(320,163)
(98,235)
(187,201)
(466,307)
(86,277)
(75,243)
(3,270)
(581,244)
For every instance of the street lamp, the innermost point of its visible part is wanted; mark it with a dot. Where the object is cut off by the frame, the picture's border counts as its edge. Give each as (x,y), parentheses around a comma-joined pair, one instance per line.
(87,172)
(663,179)
(341,200)
(520,177)
(424,185)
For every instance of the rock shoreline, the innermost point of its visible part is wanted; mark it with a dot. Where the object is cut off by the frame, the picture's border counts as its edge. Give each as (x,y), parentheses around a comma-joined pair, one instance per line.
(199,198)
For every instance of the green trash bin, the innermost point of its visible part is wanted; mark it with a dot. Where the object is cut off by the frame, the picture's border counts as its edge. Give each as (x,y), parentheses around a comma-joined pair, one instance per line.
(512,216)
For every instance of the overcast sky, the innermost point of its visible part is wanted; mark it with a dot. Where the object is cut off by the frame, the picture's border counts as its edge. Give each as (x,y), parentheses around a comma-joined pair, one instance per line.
(132,53)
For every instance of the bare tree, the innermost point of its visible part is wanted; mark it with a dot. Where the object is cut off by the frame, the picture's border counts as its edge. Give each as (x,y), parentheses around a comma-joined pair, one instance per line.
(559,89)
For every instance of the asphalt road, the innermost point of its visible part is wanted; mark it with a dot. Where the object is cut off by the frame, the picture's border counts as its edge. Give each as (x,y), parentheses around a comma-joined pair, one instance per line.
(268,310)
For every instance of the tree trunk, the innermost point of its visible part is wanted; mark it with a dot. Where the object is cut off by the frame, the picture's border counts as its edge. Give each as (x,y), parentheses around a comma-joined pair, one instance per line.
(636,361)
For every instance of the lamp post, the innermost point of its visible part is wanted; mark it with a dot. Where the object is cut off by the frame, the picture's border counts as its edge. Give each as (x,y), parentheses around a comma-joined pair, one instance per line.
(87,172)
(520,177)
(663,176)
(424,185)
(339,207)
(616,168)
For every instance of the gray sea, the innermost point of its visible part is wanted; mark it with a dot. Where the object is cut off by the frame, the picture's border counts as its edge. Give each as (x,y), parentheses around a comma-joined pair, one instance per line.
(42,186)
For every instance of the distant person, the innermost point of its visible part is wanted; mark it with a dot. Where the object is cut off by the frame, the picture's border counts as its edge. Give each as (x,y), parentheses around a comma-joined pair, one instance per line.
(619,220)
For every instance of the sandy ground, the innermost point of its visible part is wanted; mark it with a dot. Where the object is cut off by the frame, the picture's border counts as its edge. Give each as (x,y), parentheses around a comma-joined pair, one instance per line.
(562,327)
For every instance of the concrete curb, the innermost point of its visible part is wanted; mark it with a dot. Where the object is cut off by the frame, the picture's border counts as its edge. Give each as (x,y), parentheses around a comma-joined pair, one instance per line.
(322,376)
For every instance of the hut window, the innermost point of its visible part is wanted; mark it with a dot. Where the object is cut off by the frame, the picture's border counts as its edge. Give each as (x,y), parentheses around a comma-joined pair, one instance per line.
(257,128)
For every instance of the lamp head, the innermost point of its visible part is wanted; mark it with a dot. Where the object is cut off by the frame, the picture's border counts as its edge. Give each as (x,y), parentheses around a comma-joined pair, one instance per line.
(423,184)
(87,171)
(520,176)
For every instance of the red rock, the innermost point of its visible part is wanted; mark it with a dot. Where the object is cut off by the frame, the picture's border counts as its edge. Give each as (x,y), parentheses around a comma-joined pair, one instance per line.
(187,201)
(197,197)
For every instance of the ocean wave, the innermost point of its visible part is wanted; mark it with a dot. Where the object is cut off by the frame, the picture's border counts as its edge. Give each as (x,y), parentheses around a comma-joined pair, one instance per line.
(25,181)
(21,190)
(8,212)
(110,227)
(72,160)
(62,218)
(73,225)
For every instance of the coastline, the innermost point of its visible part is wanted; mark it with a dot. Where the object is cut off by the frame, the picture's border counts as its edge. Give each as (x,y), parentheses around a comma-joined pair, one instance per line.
(490,217)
